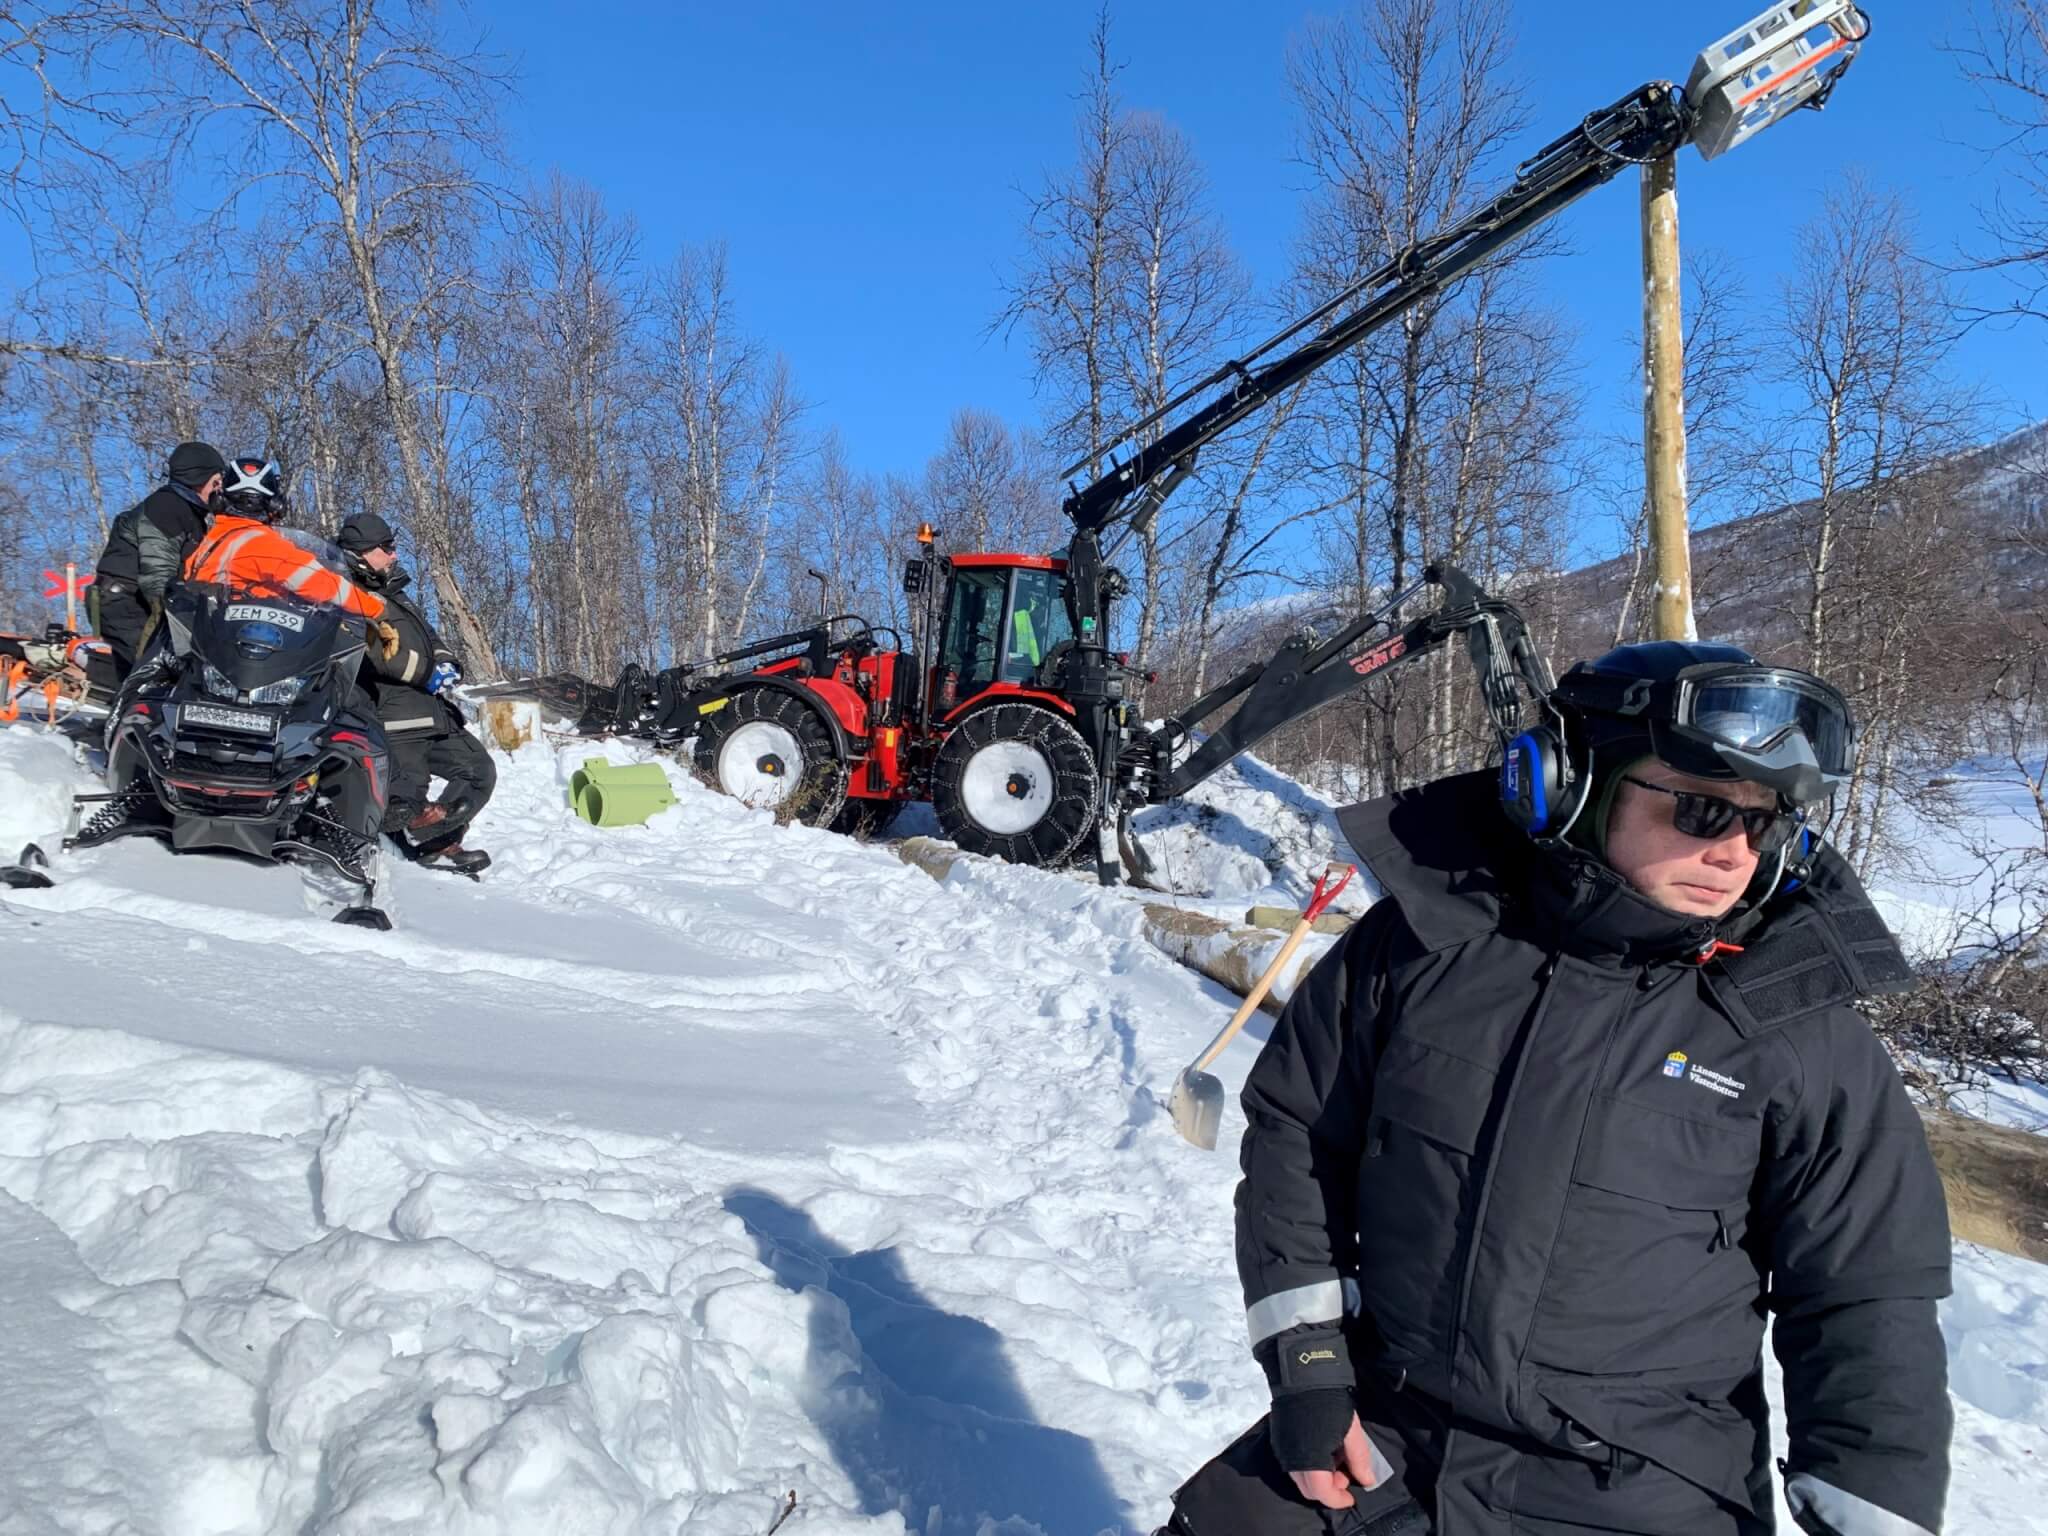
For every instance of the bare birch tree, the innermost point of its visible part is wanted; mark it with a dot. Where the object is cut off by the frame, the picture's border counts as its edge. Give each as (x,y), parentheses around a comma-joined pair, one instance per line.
(722,450)
(2004,53)
(1064,289)
(360,126)
(1404,109)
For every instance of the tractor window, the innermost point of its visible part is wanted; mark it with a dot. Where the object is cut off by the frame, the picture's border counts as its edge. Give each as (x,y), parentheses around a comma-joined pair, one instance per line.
(1038,622)
(974,616)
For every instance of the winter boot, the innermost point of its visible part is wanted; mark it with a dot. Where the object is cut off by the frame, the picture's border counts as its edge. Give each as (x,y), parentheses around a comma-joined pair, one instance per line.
(455,857)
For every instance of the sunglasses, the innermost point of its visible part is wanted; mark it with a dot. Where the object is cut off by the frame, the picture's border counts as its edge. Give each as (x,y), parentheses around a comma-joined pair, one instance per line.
(1709,816)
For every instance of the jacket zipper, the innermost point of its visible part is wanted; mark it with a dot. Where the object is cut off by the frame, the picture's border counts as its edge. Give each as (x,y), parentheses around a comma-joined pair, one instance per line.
(1546,979)
(1630,999)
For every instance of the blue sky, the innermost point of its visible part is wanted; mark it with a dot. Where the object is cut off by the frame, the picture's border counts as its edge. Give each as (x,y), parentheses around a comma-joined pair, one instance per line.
(866,165)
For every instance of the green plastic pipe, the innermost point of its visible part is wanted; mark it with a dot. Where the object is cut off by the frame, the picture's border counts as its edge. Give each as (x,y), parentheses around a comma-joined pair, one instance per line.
(607,794)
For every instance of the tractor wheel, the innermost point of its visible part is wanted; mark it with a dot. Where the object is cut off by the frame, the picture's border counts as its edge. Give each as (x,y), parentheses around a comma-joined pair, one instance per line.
(866,819)
(771,750)
(1015,781)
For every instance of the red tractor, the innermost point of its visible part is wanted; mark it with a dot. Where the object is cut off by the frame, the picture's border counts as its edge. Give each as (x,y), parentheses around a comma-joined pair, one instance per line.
(970,716)
(979,712)
(1006,707)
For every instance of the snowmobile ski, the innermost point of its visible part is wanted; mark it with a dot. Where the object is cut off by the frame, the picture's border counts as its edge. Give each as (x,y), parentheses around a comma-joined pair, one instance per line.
(131,812)
(26,872)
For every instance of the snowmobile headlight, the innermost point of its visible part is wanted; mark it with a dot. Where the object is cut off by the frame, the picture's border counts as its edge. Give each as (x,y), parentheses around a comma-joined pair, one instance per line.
(216,682)
(283,692)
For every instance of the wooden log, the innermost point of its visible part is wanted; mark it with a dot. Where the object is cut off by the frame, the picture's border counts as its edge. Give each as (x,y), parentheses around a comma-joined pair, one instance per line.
(1664,403)
(1228,954)
(1997,1182)
(1284,919)
(510,723)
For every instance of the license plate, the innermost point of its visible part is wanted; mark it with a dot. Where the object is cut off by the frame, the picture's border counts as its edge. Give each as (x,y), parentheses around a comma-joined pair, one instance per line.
(254,722)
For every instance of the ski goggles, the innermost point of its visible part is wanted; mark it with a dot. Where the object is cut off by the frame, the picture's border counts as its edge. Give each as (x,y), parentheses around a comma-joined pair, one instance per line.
(1710,817)
(1772,725)
(1753,711)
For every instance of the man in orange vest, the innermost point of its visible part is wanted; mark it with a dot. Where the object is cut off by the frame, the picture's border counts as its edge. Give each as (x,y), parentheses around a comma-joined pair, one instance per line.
(245,552)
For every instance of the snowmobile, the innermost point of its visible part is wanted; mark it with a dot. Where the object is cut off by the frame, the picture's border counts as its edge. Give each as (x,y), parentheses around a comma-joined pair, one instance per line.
(237,733)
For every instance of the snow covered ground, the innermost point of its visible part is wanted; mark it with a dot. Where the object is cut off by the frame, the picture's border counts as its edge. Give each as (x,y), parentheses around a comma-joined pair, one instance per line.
(1946,874)
(666,1171)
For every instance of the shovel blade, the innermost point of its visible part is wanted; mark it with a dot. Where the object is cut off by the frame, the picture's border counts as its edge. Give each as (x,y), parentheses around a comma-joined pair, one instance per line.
(1197,1108)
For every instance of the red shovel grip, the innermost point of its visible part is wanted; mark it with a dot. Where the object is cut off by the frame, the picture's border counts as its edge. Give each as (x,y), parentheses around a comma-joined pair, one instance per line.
(1325,893)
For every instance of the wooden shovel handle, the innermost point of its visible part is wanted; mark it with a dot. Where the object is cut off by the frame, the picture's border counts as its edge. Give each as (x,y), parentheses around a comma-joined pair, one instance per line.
(1324,894)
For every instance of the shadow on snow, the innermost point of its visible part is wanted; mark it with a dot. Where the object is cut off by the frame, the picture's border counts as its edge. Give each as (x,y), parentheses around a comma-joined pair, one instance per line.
(929,1417)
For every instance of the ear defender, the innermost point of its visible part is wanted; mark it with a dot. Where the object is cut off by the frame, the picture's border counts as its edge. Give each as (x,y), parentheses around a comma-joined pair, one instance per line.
(1537,789)
(1798,867)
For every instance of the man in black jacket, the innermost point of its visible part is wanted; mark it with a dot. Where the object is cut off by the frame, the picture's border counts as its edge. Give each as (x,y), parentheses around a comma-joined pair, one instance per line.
(147,546)
(1533,1153)
(428,735)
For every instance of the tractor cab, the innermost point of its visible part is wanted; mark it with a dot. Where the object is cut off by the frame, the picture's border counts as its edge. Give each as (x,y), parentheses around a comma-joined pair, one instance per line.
(1002,618)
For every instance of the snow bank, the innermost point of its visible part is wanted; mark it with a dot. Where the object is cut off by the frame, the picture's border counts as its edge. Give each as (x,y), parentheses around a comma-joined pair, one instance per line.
(38,777)
(1248,836)
(668,1170)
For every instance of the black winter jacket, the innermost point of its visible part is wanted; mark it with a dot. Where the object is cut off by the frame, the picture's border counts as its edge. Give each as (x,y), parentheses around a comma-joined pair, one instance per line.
(1569,1169)
(147,545)
(398,685)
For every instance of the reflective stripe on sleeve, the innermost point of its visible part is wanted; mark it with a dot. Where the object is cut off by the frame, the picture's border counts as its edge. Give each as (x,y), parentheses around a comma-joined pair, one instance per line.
(1843,1511)
(1322,1302)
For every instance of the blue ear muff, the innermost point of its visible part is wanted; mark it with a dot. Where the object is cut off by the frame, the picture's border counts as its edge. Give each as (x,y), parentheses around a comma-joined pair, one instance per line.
(1531,782)
(1800,867)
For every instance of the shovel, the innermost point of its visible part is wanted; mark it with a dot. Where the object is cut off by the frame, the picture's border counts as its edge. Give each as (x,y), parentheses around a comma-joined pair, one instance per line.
(1197,1100)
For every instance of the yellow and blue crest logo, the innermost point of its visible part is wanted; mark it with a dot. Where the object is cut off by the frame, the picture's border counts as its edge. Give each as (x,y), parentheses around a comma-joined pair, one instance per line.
(1674,1064)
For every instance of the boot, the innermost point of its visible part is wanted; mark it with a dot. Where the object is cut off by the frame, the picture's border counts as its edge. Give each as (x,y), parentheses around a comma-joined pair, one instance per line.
(453,856)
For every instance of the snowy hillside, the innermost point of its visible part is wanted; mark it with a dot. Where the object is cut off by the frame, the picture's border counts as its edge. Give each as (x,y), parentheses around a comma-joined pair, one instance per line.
(667,1171)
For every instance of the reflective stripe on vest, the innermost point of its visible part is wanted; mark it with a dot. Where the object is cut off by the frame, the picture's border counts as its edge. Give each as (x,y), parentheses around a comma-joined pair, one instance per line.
(221,555)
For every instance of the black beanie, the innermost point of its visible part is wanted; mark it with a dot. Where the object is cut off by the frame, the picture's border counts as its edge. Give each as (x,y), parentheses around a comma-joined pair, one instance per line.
(193,464)
(363,531)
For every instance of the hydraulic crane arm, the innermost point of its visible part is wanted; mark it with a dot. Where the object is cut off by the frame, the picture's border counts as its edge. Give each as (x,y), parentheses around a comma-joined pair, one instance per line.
(1649,122)
(1738,87)
(1305,674)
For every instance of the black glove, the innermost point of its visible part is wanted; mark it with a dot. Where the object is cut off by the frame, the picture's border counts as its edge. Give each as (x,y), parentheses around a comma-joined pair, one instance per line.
(1309,1370)
(1306,1428)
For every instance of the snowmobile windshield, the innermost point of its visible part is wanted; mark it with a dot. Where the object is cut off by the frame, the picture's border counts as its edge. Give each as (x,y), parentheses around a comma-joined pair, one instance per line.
(254,642)
(1774,725)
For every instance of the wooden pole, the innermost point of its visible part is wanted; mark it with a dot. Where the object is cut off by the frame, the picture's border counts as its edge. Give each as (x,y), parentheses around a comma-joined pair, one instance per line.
(1664,403)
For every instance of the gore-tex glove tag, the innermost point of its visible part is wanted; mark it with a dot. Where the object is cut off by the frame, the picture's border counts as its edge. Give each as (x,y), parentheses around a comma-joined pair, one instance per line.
(1313,1358)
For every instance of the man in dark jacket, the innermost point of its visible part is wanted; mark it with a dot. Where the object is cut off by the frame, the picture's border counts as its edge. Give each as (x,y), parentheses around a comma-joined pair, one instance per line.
(147,547)
(1533,1153)
(428,735)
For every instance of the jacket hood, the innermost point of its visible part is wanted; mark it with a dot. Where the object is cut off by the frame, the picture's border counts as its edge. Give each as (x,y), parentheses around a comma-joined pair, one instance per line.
(391,583)
(1459,869)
